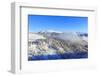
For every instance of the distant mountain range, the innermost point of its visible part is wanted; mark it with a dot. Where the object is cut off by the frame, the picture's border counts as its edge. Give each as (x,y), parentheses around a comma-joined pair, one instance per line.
(71,36)
(52,43)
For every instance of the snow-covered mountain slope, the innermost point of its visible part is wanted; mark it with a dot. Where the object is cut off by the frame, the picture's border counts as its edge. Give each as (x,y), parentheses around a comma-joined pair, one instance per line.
(49,43)
(67,36)
(34,36)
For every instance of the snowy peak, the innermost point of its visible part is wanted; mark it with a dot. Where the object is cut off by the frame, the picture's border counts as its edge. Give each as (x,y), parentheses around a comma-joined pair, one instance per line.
(49,43)
(50,31)
(70,36)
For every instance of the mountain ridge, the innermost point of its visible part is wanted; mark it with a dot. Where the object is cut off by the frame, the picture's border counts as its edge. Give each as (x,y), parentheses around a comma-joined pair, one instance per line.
(50,43)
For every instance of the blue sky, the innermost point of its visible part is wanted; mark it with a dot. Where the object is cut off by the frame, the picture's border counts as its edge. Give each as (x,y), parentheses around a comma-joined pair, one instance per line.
(38,23)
